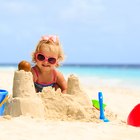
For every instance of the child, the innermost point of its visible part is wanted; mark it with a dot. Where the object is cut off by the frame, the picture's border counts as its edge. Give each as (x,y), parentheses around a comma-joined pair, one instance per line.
(46,57)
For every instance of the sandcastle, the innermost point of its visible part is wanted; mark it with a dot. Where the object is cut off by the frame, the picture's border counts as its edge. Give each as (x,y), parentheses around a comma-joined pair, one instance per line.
(49,104)
(25,100)
(74,105)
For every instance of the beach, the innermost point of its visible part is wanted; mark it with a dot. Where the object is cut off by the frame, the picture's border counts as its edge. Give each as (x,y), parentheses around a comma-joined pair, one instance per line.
(120,99)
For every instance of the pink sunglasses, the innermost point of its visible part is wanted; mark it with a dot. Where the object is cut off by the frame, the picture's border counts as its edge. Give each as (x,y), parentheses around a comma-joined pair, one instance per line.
(41,57)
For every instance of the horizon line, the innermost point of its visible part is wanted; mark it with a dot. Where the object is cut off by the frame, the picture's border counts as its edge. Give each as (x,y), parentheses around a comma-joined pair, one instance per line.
(87,64)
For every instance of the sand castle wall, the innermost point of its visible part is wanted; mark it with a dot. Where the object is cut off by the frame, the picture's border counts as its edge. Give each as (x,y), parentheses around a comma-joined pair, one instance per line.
(50,104)
(25,100)
(23,84)
(75,89)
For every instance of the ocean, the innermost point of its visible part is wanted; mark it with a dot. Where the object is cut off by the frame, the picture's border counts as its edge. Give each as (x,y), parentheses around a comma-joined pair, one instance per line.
(108,71)
(121,75)
(129,74)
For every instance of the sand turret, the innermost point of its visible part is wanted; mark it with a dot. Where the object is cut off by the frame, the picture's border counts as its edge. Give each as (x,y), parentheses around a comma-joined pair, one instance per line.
(25,100)
(75,89)
(23,84)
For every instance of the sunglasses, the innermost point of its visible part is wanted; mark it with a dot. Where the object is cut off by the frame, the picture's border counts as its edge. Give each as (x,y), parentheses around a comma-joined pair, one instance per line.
(41,57)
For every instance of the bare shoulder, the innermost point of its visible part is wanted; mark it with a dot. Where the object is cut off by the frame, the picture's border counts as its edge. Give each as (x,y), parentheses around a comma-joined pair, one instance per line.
(60,75)
(34,74)
(32,70)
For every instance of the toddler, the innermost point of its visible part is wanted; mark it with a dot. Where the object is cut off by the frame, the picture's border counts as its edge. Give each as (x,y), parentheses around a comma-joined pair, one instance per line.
(47,57)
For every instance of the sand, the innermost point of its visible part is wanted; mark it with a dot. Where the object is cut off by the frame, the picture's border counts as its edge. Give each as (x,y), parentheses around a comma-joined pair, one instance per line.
(71,116)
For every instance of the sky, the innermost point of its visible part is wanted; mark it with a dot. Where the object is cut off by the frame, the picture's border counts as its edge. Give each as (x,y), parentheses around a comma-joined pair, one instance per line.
(90,31)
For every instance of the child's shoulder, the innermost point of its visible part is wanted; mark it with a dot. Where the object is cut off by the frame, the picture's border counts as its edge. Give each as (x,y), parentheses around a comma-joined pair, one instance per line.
(34,72)
(33,69)
(59,74)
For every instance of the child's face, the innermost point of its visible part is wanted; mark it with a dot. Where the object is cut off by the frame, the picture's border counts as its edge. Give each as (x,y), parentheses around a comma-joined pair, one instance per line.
(46,60)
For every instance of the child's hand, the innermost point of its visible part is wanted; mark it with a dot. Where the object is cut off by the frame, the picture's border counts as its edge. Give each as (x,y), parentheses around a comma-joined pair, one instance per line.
(24,65)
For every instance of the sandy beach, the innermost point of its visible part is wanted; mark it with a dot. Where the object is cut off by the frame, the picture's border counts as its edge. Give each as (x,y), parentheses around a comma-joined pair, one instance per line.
(120,101)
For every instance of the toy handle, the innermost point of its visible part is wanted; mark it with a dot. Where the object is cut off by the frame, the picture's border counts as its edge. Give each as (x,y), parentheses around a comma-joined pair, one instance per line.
(100,96)
(4,101)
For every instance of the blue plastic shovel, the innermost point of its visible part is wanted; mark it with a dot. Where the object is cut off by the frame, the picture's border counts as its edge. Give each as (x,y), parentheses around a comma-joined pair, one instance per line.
(102,116)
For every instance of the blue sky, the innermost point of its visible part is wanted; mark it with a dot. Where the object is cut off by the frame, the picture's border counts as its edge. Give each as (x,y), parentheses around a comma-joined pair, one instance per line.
(91,31)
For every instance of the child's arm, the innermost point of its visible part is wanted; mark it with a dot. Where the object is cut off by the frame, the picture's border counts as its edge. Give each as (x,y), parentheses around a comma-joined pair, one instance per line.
(61,82)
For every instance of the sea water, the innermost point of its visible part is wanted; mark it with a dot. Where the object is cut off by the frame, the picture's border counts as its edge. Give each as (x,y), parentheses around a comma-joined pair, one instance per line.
(115,74)
(125,72)
(126,75)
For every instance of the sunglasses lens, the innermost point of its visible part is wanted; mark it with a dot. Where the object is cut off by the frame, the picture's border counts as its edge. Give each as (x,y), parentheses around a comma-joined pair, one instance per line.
(40,57)
(52,60)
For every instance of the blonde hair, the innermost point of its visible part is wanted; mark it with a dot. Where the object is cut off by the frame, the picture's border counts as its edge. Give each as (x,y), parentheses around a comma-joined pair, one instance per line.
(50,46)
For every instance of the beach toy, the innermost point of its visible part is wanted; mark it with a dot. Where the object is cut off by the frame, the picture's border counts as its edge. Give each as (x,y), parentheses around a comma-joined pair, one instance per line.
(3,99)
(102,116)
(95,103)
(134,116)
(24,65)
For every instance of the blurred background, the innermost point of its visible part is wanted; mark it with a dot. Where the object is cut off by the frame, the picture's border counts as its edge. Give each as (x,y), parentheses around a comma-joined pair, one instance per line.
(91,31)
